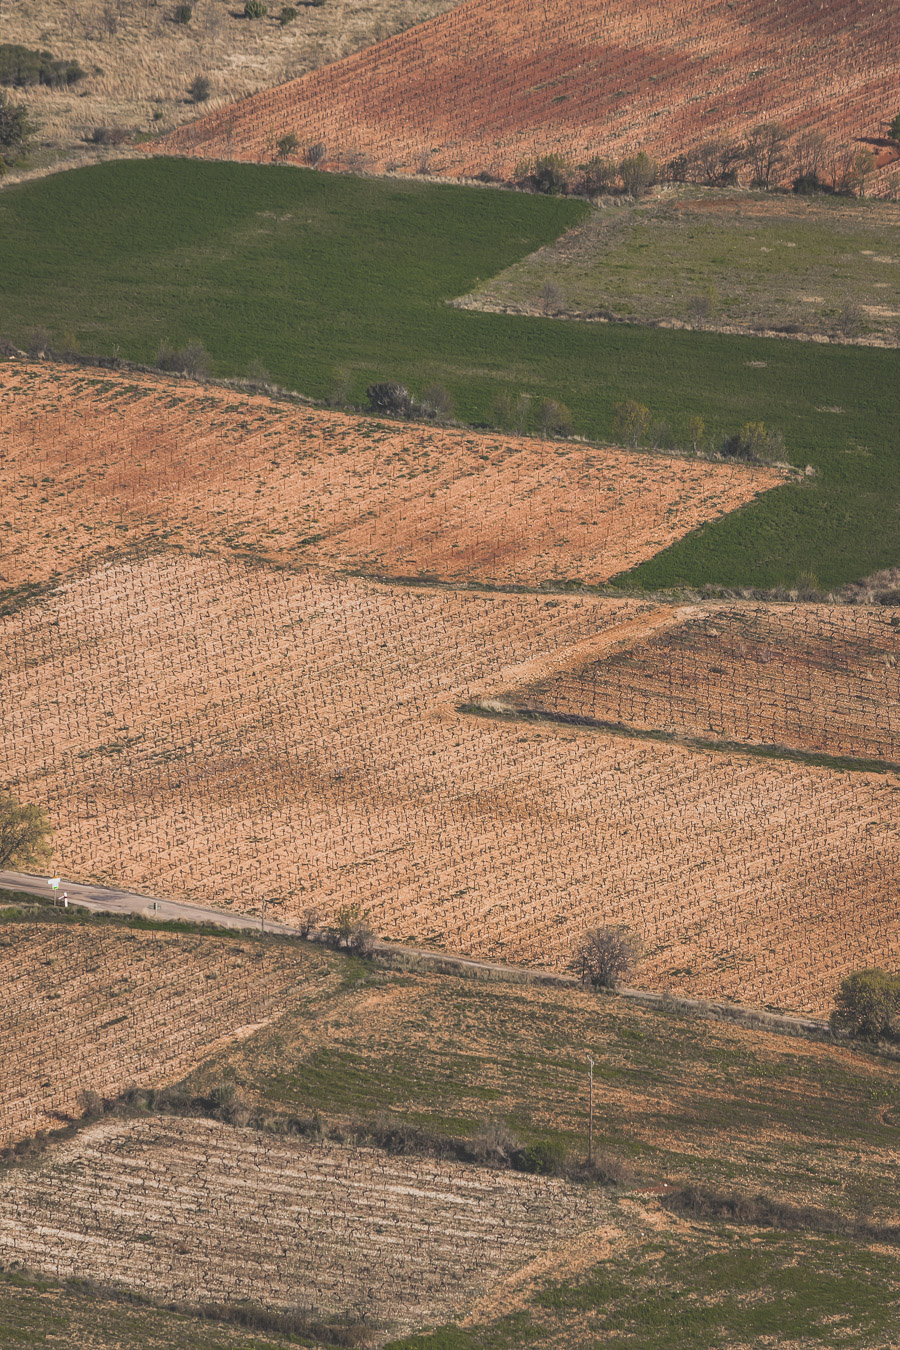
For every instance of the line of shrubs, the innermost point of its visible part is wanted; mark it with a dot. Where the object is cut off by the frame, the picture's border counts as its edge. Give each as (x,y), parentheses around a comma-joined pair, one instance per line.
(20,66)
(753,443)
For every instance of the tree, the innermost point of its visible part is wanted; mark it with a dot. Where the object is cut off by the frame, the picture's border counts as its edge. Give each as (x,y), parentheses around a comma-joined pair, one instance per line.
(390,397)
(554,418)
(549,173)
(200,89)
(286,145)
(755,442)
(638,174)
(631,422)
(598,176)
(608,953)
(16,130)
(894,129)
(24,834)
(766,149)
(866,1004)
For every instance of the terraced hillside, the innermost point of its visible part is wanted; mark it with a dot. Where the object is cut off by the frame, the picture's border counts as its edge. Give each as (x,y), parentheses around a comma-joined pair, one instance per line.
(92,462)
(208,729)
(488,84)
(88,1010)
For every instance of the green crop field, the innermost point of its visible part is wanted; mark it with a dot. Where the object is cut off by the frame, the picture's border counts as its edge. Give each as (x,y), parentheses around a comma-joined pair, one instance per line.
(321,277)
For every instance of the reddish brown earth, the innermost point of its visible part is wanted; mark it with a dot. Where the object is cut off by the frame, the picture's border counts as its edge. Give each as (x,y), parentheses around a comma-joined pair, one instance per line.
(495,81)
(92,462)
(215,731)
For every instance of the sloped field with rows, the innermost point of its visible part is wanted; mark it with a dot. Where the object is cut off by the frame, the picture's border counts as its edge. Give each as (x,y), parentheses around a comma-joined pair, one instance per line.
(206,729)
(83,1009)
(815,678)
(90,463)
(196,1211)
(486,84)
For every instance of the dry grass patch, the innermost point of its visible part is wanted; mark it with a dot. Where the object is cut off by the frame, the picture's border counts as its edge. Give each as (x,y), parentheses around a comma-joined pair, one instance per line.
(88,1010)
(206,729)
(91,462)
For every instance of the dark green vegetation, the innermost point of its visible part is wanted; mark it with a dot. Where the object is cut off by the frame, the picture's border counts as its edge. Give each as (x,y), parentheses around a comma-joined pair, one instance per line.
(867,1005)
(704,1289)
(21,66)
(331,280)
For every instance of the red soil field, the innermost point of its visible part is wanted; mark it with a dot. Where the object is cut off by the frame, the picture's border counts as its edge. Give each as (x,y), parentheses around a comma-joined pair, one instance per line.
(83,1009)
(495,81)
(217,731)
(816,678)
(92,462)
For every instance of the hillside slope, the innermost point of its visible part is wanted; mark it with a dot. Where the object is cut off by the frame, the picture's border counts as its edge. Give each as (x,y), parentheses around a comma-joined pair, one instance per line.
(486,84)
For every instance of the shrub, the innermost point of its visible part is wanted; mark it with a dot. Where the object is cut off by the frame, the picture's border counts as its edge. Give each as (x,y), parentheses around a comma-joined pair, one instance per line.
(200,89)
(631,422)
(40,343)
(766,151)
(552,298)
(316,153)
(437,404)
(183,14)
(696,432)
(754,442)
(598,176)
(15,131)
(607,954)
(551,174)
(850,320)
(390,397)
(554,418)
(546,1157)
(287,15)
(866,1005)
(350,930)
(308,921)
(512,414)
(255,9)
(193,359)
(494,1143)
(285,146)
(638,174)
(109,136)
(21,66)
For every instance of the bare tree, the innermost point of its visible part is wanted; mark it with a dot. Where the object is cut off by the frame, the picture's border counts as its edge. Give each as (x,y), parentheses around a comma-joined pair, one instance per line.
(766,151)
(809,153)
(607,954)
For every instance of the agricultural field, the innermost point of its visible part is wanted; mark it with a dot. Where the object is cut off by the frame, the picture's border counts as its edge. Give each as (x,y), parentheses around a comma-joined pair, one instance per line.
(327,1228)
(88,1010)
(812,678)
(213,730)
(96,462)
(125,257)
(725,259)
(486,85)
(140,64)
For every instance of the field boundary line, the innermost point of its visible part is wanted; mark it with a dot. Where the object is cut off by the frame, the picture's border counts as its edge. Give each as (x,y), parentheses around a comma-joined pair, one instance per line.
(395,956)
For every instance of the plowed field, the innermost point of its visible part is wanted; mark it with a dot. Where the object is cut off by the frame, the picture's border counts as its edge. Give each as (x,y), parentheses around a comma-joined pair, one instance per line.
(236,1214)
(83,1009)
(487,84)
(816,678)
(89,463)
(202,728)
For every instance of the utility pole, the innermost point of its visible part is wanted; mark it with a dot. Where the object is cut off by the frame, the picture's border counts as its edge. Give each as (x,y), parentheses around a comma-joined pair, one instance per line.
(262,922)
(590,1156)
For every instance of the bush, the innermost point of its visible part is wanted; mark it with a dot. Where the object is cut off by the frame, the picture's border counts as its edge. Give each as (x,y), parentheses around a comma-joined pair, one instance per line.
(554,418)
(316,153)
(21,66)
(598,176)
(109,136)
(183,14)
(495,1144)
(754,442)
(285,146)
(308,921)
(638,174)
(546,1157)
(40,343)
(390,397)
(255,9)
(200,89)
(193,359)
(15,131)
(351,931)
(548,173)
(631,422)
(437,404)
(607,954)
(287,15)
(867,1004)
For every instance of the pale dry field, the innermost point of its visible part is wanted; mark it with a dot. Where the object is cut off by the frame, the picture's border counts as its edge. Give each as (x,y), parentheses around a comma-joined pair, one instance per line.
(211,730)
(816,678)
(140,63)
(91,462)
(84,1009)
(194,1211)
(493,82)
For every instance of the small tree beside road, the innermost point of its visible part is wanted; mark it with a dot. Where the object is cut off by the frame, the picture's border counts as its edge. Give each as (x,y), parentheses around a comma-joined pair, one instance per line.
(607,955)
(24,834)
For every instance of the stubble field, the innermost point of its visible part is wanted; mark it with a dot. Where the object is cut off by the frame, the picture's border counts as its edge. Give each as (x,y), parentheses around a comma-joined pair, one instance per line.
(486,85)
(207,729)
(92,462)
(88,1010)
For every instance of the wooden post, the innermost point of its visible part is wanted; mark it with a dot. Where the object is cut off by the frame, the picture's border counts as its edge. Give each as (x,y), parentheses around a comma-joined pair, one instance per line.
(590,1156)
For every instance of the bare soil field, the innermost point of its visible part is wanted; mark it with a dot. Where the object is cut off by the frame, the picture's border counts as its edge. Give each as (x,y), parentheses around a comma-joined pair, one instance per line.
(215,731)
(84,1009)
(486,85)
(140,63)
(774,264)
(195,1211)
(91,462)
(817,678)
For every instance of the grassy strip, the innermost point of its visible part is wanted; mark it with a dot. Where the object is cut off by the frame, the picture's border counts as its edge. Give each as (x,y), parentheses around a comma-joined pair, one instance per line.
(822,761)
(331,280)
(26,908)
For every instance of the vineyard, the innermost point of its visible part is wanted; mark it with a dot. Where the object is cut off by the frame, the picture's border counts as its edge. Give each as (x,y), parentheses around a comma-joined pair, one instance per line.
(91,463)
(328,1229)
(484,86)
(87,1010)
(814,678)
(217,731)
